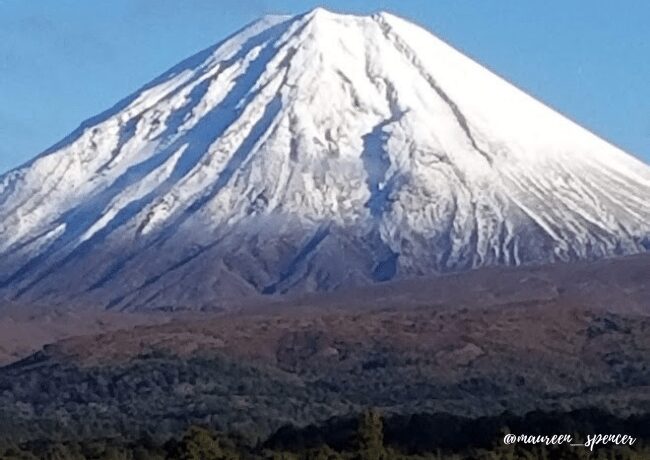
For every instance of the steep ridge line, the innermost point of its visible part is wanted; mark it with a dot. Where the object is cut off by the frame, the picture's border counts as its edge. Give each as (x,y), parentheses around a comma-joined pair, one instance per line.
(408,53)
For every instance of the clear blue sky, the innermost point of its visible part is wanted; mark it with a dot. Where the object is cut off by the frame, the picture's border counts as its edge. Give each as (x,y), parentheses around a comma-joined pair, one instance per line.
(66,60)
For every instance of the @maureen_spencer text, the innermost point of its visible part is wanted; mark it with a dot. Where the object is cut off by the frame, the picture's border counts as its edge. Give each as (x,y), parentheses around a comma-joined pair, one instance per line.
(593,440)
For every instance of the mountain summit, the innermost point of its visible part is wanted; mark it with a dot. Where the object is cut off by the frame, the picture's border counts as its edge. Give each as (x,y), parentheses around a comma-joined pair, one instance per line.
(307,153)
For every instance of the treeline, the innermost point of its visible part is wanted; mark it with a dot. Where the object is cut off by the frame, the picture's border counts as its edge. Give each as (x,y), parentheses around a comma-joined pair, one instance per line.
(369,436)
(156,393)
(49,396)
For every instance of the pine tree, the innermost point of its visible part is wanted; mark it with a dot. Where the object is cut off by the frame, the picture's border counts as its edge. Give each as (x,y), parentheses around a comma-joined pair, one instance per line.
(198,444)
(323,453)
(371,436)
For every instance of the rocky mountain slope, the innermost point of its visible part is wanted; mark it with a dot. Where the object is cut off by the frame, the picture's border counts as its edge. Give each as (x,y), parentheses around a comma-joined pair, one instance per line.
(619,286)
(548,347)
(305,154)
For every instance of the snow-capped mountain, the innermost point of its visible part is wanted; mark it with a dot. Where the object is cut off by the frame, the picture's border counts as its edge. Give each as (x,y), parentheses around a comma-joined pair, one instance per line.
(307,153)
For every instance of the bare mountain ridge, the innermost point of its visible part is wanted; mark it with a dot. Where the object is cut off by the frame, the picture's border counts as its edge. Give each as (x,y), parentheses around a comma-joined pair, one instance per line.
(311,153)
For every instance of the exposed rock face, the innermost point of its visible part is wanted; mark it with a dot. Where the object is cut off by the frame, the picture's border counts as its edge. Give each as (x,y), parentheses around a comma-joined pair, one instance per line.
(307,153)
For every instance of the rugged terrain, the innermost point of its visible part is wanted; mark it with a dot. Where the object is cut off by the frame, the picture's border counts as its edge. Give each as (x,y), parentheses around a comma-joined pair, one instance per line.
(618,285)
(553,338)
(443,244)
(311,153)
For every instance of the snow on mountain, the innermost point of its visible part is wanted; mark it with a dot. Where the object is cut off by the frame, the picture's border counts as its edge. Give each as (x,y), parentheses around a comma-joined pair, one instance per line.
(307,153)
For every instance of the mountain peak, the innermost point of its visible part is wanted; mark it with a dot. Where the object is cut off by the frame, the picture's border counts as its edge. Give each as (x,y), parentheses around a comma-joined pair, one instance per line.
(320,14)
(319,11)
(307,154)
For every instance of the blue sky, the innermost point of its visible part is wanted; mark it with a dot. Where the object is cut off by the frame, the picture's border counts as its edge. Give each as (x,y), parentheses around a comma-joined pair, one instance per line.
(66,60)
